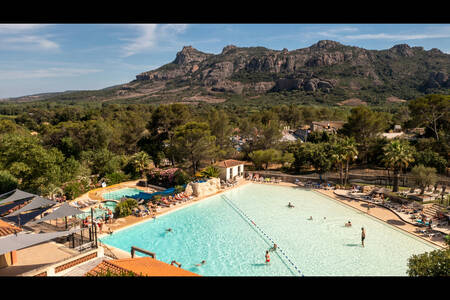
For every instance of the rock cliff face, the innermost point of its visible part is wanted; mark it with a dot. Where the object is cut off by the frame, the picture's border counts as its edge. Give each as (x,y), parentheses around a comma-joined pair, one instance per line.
(319,67)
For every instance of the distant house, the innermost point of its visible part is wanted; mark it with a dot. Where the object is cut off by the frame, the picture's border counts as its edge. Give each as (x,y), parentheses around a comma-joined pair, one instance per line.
(329,126)
(392,135)
(318,126)
(288,136)
(230,169)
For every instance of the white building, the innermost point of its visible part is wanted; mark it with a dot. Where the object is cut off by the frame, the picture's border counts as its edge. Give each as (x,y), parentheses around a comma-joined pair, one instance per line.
(231,169)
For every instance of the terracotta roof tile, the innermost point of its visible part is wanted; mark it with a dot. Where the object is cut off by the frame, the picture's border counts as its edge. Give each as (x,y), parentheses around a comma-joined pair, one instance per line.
(7,229)
(229,163)
(141,266)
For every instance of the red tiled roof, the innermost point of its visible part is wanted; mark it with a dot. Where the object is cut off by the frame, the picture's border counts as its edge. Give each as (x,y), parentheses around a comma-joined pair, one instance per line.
(140,266)
(229,163)
(7,229)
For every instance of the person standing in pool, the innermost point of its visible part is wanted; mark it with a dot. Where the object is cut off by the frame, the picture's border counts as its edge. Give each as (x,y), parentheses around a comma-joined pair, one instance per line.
(363,235)
(267,257)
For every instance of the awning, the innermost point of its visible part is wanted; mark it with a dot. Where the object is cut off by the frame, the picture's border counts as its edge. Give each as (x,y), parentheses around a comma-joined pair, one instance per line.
(64,210)
(24,240)
(36,202)
(15,195)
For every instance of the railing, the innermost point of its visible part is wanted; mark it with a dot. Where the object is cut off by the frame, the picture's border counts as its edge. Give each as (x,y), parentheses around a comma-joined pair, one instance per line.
(234,206)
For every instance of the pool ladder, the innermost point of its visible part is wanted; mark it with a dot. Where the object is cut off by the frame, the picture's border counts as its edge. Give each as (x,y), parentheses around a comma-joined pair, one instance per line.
(261,231)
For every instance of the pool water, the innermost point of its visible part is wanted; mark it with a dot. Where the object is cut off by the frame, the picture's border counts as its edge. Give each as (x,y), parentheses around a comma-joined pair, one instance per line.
(134,193)
(126,192)
(220,231)
(99,212)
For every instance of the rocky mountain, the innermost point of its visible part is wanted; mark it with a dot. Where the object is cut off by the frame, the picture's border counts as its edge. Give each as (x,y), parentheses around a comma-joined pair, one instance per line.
(326,72)
(327,67)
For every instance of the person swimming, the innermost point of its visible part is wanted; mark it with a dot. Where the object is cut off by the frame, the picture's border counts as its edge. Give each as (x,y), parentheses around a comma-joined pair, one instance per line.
(274,247)
(348,224)
(310,218)
(201,263)
(290,205)
(169,230)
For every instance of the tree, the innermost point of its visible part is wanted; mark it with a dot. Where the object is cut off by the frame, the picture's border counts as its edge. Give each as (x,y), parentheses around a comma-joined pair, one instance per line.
(262,158)
(430,158)
(194,141)
(350,149)
(364,124)
(398,154)
(210,172)
(32,164)
(430,110)
(434,263)
(423,176)
(219,124)
(141,162)
(7,182)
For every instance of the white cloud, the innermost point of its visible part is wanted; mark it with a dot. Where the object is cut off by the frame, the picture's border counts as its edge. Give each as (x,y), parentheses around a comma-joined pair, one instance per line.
(24,37)
(150,36)
(45,73)
(334,32)
(15,28)
(386,36)
(28,42)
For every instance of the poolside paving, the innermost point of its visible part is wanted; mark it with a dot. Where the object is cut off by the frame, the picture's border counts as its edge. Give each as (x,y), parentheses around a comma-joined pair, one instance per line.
(383,214)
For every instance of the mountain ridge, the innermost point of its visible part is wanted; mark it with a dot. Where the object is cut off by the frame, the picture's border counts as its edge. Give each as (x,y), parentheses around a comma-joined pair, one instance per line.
(325,72)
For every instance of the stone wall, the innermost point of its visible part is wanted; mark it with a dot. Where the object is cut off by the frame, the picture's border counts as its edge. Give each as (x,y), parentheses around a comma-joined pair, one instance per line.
(202,189)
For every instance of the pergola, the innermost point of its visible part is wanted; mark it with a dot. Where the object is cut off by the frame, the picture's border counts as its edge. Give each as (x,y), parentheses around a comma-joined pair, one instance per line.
(24,240)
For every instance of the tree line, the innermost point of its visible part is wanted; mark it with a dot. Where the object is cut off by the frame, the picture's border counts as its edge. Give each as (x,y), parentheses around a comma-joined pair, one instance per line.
(72,147)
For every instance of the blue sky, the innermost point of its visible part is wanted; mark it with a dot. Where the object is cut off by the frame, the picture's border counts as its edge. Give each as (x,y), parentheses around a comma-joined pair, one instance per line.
(38,58)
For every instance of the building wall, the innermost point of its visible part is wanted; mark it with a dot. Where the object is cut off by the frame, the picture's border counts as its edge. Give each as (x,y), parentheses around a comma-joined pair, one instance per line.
(8,259)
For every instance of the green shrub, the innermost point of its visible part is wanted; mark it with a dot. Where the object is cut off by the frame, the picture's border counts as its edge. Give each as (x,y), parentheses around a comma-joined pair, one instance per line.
(125,208)
(181,177)
(434,263)
(115,177)
(179,189)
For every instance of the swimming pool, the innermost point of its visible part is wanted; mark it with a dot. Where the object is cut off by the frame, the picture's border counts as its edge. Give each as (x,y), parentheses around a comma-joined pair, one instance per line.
(220,230)
(134,193)
(99,212)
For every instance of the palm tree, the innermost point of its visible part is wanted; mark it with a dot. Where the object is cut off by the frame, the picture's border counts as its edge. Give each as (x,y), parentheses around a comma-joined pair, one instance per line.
(141,162)
(351,153)
(398,154)
(51,191)
(210,172)
(339,157)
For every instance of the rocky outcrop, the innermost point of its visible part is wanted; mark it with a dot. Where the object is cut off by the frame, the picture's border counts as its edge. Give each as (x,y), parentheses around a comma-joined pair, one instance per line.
(438,80)
(203,189)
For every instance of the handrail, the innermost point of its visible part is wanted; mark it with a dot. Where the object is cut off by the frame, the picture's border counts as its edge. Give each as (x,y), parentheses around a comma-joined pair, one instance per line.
(262,231)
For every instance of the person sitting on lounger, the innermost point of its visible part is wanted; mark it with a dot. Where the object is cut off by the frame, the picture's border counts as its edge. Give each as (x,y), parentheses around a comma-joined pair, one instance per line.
(290,205)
